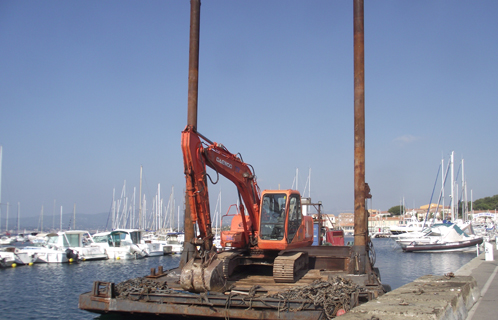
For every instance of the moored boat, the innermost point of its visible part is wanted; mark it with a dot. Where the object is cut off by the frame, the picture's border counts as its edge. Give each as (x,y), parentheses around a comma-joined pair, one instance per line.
(126,244)
(175,240)
(66,246)
(451,239)
(465,245)
(11,255)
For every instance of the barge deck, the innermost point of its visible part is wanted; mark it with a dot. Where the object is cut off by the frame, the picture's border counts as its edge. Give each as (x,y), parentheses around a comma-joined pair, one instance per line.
(328,288)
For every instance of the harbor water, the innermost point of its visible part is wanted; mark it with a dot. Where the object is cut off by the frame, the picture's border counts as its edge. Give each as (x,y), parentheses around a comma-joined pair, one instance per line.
(51,291)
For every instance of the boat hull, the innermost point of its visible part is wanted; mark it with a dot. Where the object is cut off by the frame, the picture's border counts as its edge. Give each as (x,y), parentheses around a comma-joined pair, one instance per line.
(466,245)
(125,252)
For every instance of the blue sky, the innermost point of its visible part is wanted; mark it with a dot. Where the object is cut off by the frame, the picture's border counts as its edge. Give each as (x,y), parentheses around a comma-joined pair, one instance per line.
(92,90)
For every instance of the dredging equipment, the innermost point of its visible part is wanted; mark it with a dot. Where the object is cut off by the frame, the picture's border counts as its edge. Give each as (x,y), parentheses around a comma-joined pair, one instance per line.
(248,279)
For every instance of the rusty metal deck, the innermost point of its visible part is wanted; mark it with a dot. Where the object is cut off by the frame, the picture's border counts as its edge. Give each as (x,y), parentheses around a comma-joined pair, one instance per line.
(193,305)
(250,296)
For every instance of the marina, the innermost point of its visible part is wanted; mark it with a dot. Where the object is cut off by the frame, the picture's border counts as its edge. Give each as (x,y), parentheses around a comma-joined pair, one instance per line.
(78,245)
(42,287)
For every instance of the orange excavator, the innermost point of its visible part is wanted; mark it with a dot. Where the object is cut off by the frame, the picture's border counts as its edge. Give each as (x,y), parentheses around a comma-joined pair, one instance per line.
(266,225)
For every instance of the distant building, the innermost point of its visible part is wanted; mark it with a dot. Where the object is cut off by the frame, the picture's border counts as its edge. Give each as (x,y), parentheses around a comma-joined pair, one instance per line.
(381,222)
(345,221)
(434,209)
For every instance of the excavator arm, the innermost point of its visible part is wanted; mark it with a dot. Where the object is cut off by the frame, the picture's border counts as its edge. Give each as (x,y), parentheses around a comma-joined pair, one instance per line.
(199,152)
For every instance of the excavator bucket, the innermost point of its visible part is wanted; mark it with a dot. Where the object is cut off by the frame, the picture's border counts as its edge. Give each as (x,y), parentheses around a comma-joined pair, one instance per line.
(199,275)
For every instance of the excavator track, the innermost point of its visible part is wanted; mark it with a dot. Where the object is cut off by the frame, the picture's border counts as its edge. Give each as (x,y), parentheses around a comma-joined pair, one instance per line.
(287,266)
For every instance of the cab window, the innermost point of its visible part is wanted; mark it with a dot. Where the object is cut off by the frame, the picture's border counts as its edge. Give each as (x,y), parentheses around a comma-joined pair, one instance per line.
(295,217)
(273,217)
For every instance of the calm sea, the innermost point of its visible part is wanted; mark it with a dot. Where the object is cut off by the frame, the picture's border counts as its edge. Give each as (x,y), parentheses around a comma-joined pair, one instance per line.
(51,291)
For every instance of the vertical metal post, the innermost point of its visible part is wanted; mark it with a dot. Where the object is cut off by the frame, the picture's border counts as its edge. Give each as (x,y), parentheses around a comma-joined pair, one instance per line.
(320,224)
(193,83)
(360,230)
(193,70)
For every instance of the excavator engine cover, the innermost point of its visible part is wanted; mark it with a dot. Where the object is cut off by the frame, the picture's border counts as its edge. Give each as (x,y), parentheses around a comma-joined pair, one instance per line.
(196,276)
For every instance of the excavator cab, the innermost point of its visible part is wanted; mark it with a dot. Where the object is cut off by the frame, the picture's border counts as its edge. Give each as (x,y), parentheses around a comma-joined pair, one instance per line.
(282,224)
(273,216)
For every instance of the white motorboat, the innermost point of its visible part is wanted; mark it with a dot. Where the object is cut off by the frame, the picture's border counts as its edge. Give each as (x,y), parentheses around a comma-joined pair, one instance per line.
(405,226)
(126,244)
(157,244)
(102,238)
(423,236)
(6,260)
(39,239)
(21,237)
(85,246)
(32,236)
(154,248)
(11,255)
(217,242)
(67,246)
(7,240)
(154,245)
(175,240)
(52,254)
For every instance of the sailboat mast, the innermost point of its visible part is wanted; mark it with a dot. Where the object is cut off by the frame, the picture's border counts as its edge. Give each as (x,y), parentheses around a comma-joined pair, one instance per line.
(74,217)
(297,177)
(456,202)
(7,219)
(220,214)
(471,202)
(41,219)
(53,217)
(463,194)
(158,208)
(18,217)
(140,202)
(124,200)
(442,186)
(452,189)
(0,187)
(171,206)
(60,226)
(143,224)
(309,189)
(134,208)
(113,210)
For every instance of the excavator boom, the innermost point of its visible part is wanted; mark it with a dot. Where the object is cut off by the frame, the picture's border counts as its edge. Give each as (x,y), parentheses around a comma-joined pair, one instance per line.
(199,152)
